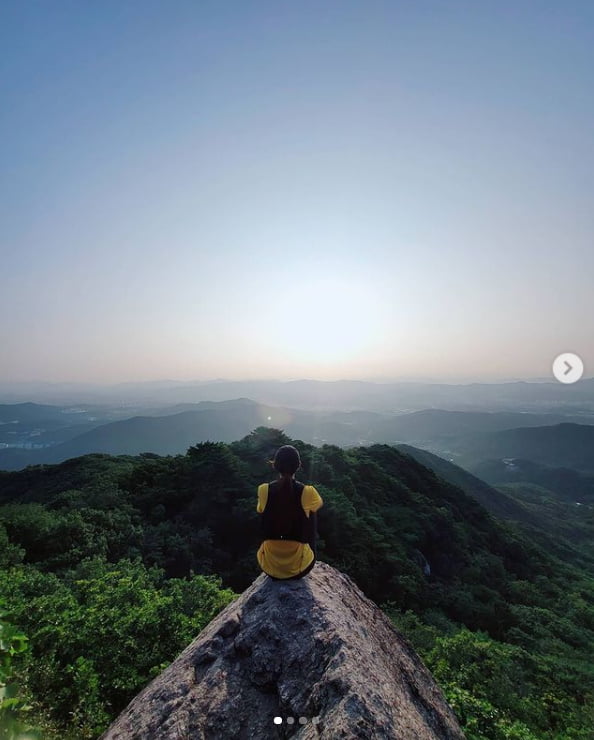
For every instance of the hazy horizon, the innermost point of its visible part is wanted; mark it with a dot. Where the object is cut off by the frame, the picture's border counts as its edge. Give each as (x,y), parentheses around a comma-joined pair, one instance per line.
(230,380)
(335,191)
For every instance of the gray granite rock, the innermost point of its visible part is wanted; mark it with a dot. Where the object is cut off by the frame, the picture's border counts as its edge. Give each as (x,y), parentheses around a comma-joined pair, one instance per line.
(315,651)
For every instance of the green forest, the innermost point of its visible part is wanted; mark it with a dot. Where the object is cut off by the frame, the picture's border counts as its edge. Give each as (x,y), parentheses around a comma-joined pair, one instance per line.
(110,566)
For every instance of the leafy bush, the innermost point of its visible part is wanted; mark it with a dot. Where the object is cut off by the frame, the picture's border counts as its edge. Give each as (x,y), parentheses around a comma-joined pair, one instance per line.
(102,632)
(12,705)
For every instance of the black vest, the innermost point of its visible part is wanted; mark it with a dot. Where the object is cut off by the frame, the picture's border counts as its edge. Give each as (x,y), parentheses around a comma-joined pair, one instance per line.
(283,517)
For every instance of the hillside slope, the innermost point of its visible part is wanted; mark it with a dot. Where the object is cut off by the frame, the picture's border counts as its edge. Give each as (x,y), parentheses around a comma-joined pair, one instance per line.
(83,541)
(569,485)
(560,445)
(495,502)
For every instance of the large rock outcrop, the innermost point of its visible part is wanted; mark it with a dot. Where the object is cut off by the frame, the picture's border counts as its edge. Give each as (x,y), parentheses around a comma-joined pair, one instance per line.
(315,653)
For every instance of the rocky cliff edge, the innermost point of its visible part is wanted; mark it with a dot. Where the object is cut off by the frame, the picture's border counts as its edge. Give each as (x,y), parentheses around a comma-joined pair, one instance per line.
(312,658)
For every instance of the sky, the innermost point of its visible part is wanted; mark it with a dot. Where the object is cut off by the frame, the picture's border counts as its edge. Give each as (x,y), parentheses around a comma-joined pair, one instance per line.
(274,189)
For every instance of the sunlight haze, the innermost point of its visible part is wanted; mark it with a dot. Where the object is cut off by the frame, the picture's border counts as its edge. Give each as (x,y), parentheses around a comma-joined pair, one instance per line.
(272,189)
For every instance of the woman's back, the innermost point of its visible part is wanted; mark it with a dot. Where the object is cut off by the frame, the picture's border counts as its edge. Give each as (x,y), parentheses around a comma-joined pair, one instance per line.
(288,523)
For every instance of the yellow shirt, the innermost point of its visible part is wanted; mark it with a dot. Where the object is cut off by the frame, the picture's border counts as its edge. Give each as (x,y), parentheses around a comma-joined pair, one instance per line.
(286,558)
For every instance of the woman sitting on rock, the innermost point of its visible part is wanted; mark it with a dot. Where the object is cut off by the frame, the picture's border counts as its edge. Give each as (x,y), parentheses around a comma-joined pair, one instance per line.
(289,524)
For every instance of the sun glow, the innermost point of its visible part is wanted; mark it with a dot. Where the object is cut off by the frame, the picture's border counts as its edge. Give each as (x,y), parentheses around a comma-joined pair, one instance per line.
(338,319)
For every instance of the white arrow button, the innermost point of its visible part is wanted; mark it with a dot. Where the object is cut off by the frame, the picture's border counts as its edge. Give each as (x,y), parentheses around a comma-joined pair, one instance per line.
(568,367)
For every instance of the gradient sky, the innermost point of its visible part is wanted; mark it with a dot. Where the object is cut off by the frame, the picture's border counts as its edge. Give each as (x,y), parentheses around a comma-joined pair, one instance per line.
(330,189)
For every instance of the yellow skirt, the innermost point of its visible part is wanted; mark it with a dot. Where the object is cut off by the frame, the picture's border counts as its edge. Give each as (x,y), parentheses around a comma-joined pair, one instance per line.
(284,558)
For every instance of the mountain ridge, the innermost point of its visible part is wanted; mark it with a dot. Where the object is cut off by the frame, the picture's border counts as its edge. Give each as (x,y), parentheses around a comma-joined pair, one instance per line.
(349,394)
(171,430)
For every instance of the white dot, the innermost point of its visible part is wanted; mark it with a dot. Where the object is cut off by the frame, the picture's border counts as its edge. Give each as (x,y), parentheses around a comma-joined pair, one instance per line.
(290,720)
(270,418)
(302,720)
(278,720)
(315,720)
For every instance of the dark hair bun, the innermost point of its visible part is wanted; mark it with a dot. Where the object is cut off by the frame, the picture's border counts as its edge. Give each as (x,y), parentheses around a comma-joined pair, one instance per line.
(287,460)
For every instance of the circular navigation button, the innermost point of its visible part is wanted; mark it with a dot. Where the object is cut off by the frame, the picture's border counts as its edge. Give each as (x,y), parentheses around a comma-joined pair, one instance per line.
(568,367)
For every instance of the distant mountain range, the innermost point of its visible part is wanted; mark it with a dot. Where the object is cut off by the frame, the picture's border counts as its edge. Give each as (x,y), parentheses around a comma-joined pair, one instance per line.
(39,425)
(562,445)
(467,438)
(345,395)
(560,520)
